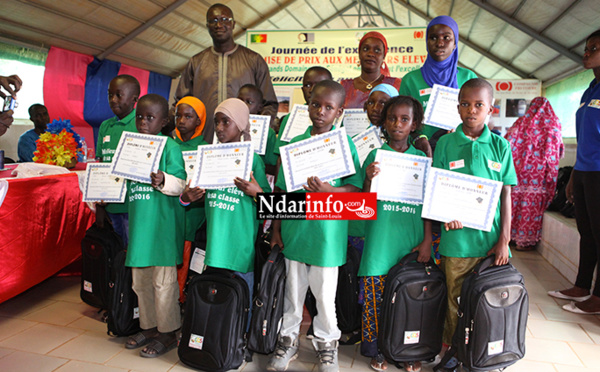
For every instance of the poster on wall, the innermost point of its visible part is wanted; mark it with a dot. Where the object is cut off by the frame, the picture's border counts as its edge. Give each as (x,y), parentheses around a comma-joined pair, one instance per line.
(289,53)
(511,100)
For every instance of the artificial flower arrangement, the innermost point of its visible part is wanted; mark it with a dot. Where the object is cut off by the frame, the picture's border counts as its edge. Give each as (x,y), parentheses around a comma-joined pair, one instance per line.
(58,145)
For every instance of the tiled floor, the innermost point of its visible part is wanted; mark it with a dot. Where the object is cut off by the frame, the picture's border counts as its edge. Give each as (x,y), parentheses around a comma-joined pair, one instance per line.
(48,328)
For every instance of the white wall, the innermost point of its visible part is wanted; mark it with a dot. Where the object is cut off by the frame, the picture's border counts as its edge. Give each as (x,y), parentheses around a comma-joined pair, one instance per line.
(8,142)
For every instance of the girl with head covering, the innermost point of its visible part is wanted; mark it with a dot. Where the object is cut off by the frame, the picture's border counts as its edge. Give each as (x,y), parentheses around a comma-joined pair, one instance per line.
(190,117)
(440,67)
(537,147)
(376,100)
(231,224)
(372,50)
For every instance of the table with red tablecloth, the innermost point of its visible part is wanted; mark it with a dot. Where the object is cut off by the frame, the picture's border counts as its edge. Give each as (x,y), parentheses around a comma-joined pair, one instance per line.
(42,222)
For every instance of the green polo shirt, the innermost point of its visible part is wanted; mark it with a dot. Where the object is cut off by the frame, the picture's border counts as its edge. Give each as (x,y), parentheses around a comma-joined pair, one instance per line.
(318,242)
(415,86)
(109,135)
(481,158)
(270,157)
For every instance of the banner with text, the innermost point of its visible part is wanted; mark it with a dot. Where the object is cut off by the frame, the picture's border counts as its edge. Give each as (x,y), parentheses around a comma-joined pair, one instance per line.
(511,100)
(291,52)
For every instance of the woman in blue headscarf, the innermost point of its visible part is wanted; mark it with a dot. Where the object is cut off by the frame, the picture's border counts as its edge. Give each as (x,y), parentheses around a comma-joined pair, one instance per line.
(440,67)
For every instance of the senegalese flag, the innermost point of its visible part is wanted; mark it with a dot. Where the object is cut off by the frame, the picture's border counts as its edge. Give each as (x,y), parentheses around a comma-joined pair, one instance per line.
(258,38)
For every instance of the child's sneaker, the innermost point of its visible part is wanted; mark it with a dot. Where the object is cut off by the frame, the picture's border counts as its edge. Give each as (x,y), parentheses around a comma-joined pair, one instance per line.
(328,358)
(285,351)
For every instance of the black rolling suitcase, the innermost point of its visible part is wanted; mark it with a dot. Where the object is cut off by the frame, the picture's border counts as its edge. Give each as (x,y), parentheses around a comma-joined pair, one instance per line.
(123,311)
(413,310)
(267,305)
(98,249)
(347,308)
(492,318)
(214,321)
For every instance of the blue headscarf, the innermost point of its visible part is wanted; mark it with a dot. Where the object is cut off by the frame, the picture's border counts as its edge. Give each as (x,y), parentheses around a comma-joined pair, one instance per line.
(385,88)
(442,73)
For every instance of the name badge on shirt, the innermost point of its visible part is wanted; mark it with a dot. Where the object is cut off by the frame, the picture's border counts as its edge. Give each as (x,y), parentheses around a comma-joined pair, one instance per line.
(494,165)
(106,139)
(424,92)
(457,164)
(595,103)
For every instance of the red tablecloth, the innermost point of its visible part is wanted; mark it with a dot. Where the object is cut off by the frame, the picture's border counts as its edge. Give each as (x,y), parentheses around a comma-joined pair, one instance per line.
(42,222)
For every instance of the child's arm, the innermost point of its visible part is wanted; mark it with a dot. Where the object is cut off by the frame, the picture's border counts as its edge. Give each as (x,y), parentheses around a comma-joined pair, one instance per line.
(314,184)
(250,188)
(424,248)
(500,249)
(167,184)
(371,171)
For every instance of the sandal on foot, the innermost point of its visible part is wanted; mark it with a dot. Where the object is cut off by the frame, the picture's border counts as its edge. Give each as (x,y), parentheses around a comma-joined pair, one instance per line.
(159,346)
(412,366)
(379,363)
(141,338)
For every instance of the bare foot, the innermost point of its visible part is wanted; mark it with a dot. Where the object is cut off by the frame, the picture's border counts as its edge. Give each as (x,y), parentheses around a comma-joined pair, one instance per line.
(575,292)
(590,305)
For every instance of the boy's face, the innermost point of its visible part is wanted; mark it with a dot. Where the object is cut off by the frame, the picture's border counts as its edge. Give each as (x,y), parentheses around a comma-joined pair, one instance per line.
(399,122)
(121,97)
(474,105)
(324,107)
(440,42)
(374,106)
(310,79)
(221,31)
(225,129)
(252,99)
(186,119)
(149,118)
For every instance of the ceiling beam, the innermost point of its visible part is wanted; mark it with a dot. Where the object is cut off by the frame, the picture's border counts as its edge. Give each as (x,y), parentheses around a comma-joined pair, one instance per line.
(385,16)
(335,15)
(527,30)
(266,17)
(470,44)
(111,49)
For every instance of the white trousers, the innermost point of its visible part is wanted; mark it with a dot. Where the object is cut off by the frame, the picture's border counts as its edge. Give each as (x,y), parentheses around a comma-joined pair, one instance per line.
(322,281)
(158,297)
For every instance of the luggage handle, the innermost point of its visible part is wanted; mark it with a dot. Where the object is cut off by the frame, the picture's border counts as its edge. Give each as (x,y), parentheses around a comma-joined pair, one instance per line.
(487,262)
(412,256)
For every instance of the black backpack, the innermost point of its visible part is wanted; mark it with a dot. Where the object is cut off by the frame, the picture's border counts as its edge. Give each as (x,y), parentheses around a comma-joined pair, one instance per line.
(267,306)
(123,311)
(560,203)
(347,308)
(492,318)
(99,247)
(413,311)
(214,322)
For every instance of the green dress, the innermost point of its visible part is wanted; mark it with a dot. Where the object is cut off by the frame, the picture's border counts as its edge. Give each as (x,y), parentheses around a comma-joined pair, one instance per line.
(194,213)
(318,242)
(396,231)
(231,224)
(155,228)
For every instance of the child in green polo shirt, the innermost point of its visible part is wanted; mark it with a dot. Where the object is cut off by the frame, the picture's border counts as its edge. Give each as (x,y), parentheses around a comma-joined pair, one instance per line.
(123,93)
(314,249)
(398,229)
(472,149)
(156,237)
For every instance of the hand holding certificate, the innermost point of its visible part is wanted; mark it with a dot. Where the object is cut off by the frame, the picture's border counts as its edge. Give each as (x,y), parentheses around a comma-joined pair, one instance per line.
(100,186)
(401,177)
(137,156)
(442,108)
(455,196)
(218,165)
(326,156)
